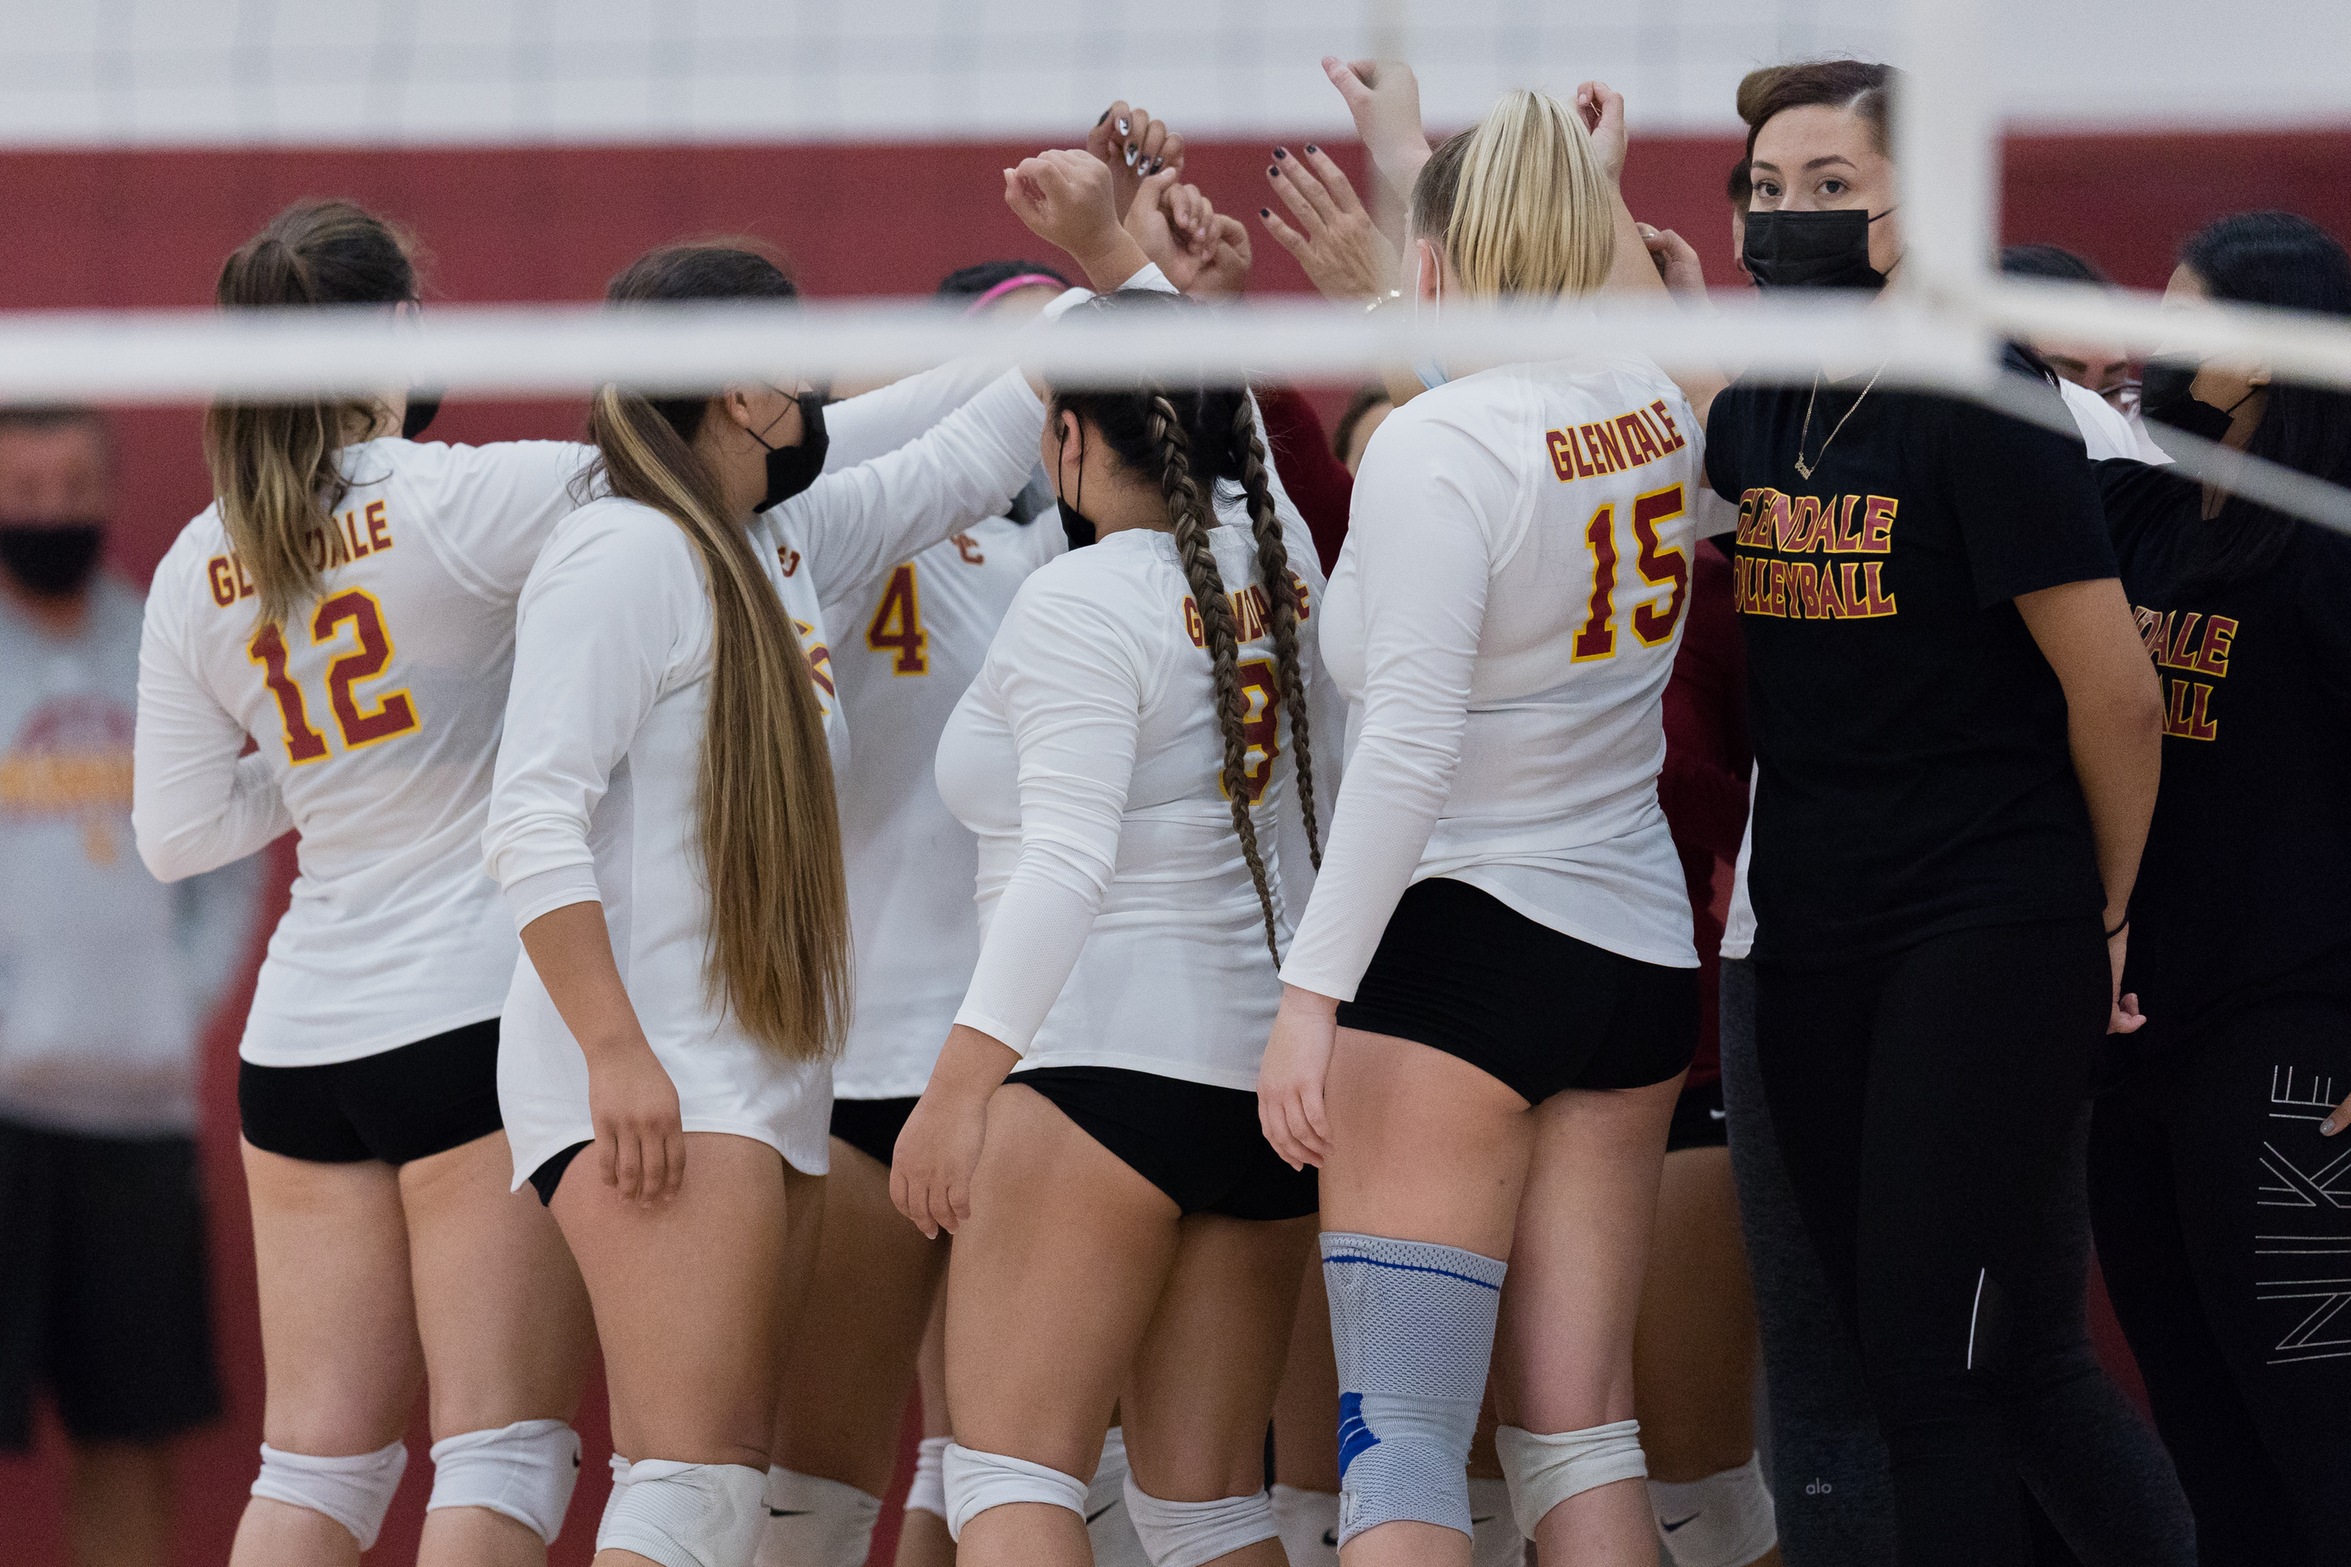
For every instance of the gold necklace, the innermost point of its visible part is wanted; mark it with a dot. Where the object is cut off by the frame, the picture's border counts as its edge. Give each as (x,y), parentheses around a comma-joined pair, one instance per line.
(1805,468)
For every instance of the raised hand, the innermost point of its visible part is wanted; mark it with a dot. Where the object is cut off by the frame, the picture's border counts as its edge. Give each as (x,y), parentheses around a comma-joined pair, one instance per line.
(1065,198)
(1344,253)
(1602,108)
(1226,274)
(1175,225)
(1383,96)
(1677,263)
(1133,147)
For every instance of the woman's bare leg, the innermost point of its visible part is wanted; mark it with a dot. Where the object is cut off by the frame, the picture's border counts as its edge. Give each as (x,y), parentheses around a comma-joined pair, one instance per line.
(1202,1385)
(690,1300)
(1306,1412)
(1564,1352)
(1694,1350)
(851,1365)
(1425,1147)
(923,1540)
(1052,1283)
(338,1336)
(505,1324)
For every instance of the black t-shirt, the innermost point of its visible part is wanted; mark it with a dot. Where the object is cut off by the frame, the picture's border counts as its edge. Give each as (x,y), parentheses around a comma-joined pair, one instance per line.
(1911,738)
(2240,894)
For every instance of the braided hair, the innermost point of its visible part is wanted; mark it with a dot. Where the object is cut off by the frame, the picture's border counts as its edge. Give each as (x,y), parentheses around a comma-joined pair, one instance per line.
(1188,437)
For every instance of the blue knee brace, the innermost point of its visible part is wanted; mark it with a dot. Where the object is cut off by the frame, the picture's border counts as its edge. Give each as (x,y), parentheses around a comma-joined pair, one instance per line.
(1413,1325)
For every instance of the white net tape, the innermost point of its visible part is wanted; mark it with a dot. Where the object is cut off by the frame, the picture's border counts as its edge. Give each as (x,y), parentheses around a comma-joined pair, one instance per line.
(1938,327)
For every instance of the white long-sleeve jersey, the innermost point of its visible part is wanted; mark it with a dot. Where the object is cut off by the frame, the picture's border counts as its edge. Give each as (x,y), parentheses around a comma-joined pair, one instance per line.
(374,716)
(376,719)
(594,798)
(1505,614)
(1120,926)
(904,657)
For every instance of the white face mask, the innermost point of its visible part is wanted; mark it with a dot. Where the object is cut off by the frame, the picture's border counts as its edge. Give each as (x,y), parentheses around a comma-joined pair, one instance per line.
(1432,375)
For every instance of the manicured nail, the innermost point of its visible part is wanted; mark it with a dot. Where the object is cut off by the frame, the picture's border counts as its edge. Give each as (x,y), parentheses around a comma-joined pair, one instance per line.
(1272,173)
(1122,127)
(1311,147)
(1105,116)
(1265,212)
(1130,155)
(1281,152)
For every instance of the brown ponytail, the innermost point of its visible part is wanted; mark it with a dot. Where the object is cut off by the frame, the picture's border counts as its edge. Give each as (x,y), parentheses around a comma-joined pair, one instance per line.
(1192,521)
(770,830)
(277,468)
(1273,567)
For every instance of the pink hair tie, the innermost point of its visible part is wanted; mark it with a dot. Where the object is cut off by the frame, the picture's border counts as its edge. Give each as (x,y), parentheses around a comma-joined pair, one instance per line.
(1017,281)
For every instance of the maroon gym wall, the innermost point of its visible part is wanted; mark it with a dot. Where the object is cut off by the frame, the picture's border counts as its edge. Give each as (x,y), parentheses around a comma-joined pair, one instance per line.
(149,228)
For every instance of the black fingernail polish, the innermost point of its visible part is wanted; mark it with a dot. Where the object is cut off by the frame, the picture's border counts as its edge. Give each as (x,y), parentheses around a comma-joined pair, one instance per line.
(1281,152)
(1105,116)
(1272,173)
(1311,147)
(1265,212)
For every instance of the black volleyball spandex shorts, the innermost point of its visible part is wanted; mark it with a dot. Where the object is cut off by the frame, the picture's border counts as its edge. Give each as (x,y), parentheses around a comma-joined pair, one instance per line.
(1460,971)
(406,1103)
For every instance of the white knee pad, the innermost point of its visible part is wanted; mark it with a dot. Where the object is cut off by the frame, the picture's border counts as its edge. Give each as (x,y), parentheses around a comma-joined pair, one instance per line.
(525,1471)
(353,1491)
(1724,1520)
(977,1481)
(927,1493)
(1413,1327)
(684,1515)
(1545,1468)
(815,1522)
(1309,1522)
(1186,1534)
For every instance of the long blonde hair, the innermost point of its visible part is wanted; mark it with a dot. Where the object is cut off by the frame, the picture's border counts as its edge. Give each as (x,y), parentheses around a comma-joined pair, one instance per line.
(277,470)
(770,829)
(1520,203)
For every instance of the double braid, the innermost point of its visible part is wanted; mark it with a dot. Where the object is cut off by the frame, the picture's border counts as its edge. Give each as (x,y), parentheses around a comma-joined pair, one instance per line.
(1273,567)
(1192,523)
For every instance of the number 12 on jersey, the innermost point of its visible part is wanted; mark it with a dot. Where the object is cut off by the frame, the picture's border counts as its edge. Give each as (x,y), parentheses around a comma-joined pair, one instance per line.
(1657,563)
(393,714)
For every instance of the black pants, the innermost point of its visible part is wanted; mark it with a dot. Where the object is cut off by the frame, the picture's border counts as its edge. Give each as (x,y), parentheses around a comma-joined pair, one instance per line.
(2224,1223)
(2088,1460)
(1922,1103)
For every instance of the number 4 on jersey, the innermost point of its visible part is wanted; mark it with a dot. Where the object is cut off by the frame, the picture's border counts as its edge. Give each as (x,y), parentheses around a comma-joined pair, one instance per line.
(393,714)
(897,625)
(1658,566)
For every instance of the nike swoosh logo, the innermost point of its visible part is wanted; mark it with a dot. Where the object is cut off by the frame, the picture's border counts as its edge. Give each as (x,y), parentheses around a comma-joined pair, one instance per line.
(787,1512)
(1090,1517)
(1330,1537)
(1671,1527)
(1718,1115)
(1489,1518)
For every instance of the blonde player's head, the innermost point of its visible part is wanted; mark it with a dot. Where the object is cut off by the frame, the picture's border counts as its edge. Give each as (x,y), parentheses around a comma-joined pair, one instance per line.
(770,828)
(1517,207)
(277,471)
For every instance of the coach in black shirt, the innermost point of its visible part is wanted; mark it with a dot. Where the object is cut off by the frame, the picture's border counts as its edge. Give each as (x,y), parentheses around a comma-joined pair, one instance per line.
(2220,1175)
(1957,737)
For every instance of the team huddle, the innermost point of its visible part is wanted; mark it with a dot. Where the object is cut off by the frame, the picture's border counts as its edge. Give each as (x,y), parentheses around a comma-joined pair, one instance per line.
(1011,888)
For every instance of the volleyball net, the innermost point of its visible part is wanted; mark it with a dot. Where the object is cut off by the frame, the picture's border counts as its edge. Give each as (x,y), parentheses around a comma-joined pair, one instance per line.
(1940,325)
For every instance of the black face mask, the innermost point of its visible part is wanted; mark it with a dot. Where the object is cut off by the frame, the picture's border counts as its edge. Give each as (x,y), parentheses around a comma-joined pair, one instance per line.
(1034,498)
(791,469)
(2165,398)
(51,559)
(1075,523)
(422,406)
(1811,249)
